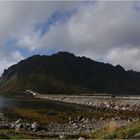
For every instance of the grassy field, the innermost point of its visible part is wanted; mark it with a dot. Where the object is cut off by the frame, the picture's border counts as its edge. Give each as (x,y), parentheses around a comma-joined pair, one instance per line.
(12,134)
(112,131)
(47,116)
(44,116)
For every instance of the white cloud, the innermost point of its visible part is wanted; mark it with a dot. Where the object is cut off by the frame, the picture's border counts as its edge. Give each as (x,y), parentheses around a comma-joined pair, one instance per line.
(128,57)
(16,56)
(13,58)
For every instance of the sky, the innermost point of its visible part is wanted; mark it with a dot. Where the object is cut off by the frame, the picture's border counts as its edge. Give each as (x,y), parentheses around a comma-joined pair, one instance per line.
(105,31)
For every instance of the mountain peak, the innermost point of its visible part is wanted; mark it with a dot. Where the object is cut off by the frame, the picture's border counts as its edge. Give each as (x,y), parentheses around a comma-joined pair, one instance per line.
(64,53)
(64,72)
(119,67)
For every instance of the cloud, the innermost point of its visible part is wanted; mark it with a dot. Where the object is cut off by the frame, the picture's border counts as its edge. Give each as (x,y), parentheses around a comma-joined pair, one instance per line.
(128,57)
(13,58)
(103,30)
(18,18)
(98,28)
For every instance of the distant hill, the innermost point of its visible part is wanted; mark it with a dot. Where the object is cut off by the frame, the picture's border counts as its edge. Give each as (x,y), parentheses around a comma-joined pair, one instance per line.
(65,73)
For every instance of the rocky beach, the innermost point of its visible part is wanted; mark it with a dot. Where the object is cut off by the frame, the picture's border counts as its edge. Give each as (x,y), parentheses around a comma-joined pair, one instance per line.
(103,102)
(102,111)
(74,127)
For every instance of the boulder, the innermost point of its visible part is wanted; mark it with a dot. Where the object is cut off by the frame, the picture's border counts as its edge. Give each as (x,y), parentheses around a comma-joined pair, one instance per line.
(18,121)
(26,126)
(79,118)
(102,118)
(61,137)
(12,125)
(34,126)
(19,126)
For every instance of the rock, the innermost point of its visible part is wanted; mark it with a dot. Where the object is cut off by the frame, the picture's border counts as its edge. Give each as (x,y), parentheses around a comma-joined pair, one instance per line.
(18,126)
(81,138)
(90,103)
(136,136)
(62,137)
(83,120)
(34,130)
(107,105)
(70,119)
(12,125)
(29,129)
(74,124)
(26,126)
(113,119)
(34,125)
(116,118)
(18,121)
(17,129)
(80,118)
(130,119)
(116,107)
(87,120)
(43,131)
(123,108)
(102,118)
(93,120)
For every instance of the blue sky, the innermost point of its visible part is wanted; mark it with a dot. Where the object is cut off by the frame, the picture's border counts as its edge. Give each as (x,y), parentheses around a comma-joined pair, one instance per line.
(56,16)
(102,30)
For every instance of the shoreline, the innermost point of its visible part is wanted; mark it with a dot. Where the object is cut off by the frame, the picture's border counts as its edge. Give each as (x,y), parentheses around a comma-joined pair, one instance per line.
(106,102)
(78,124)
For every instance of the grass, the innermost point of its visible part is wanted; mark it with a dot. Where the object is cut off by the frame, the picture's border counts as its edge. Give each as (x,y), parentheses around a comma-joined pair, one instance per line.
(12,134)
(45,116)
(32,115)
(113,131)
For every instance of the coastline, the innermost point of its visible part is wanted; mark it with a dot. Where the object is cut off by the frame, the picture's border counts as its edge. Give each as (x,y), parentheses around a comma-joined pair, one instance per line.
(106,102)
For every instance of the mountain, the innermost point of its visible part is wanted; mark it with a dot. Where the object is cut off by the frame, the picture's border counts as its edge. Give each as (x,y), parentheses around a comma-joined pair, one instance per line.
(65,73)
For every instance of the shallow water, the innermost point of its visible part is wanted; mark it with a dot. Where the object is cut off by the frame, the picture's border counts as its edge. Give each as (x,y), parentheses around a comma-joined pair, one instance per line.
(7,104)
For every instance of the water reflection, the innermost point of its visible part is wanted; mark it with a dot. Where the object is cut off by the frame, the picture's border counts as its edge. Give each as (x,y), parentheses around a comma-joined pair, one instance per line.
(7,104)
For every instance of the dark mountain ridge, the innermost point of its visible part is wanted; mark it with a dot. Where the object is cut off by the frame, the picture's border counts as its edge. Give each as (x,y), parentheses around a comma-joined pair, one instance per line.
(65,73)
